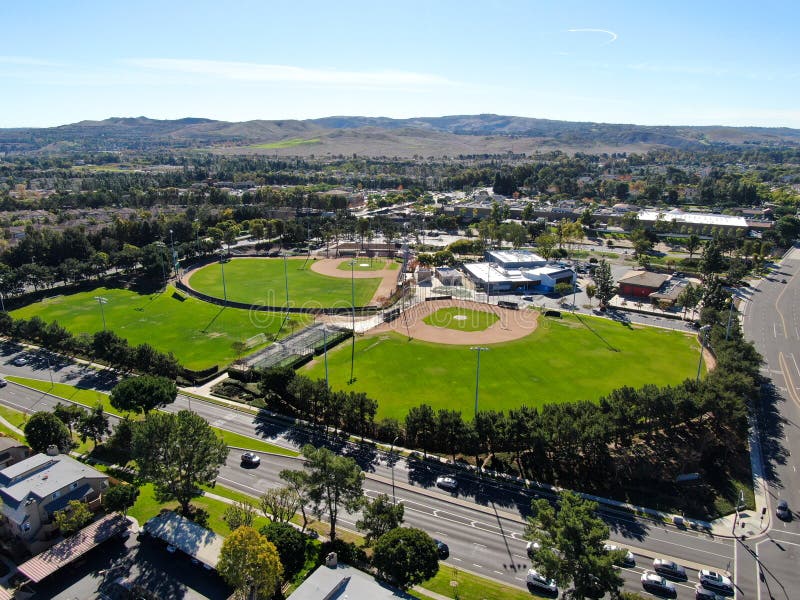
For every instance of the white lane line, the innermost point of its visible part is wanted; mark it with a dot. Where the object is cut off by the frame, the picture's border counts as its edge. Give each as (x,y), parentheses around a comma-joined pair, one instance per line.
(499,572)
(455,558)
(479,545)
(477,565)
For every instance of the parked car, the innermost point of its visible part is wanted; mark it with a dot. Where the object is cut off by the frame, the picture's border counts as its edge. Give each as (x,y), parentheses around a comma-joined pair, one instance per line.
(539,582)
(628,560)
(669,568)
(655,583)
(446,483)
(3,383)
(20,361)
(442,549)
(715,581)
(701,593)
(251,459)
(782,511)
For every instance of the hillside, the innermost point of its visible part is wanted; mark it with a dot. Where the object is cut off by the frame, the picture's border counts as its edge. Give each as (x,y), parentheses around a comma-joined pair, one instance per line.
(375,136)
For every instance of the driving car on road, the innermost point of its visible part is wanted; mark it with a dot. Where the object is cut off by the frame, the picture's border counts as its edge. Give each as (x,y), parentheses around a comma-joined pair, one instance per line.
(715,581)
(532,548)
(628,560)
(539,582)
(655,583)
(3,382)
(701,593)
(782,511)
(442,549)
(447,483)
(669,568)
(251,459)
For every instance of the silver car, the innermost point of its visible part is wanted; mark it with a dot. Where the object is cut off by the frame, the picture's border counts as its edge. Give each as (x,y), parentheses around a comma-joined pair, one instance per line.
(447,483)
(540,582)
(669,568)
(653,582)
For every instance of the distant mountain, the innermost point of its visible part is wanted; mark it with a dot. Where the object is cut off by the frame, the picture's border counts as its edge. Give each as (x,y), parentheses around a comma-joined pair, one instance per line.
(423,136)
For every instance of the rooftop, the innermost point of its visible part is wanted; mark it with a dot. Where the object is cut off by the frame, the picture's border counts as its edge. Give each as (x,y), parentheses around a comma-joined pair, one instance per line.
(40,476)
(644,279)
(679,216)
(516,256)
(344,581)
(190,538)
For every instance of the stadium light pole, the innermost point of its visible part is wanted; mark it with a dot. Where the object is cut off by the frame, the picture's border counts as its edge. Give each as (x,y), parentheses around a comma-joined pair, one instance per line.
(174,256)
(353,313)
(101,300)
(478,349)
(286,281)
(222,267)
(325,352)
(197,236)
(703,335)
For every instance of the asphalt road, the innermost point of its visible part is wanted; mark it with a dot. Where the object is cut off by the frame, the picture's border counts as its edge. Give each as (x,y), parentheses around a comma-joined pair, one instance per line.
(768,565)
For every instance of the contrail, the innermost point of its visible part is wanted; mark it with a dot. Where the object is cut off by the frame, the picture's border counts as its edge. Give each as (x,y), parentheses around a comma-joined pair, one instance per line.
(613,35)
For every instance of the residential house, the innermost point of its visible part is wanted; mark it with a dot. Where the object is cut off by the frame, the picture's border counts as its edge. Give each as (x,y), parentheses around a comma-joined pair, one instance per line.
(12,451)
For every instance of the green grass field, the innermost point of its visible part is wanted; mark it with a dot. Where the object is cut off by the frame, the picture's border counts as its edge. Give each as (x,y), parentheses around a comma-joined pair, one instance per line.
(290,143)
(262,281)
(365,264)
(563,360)
(199,334)
(470,320)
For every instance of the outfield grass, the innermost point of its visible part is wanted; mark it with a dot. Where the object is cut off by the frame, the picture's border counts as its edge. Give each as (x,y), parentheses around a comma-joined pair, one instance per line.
(262,281)
(199,334)
(471,320)
(364,264)
(563,360)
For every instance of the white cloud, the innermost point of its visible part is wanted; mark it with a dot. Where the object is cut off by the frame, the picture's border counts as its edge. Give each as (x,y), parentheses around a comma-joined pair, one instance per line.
(613,36)
(257,72)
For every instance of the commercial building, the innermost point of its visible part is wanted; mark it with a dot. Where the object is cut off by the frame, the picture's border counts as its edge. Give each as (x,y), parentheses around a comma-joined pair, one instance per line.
(517,272)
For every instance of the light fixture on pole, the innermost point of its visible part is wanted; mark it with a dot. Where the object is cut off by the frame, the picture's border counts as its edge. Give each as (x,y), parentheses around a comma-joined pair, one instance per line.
(353,306)
(478,349)
(703,338)
(101,300)
(392,461)
(222,268)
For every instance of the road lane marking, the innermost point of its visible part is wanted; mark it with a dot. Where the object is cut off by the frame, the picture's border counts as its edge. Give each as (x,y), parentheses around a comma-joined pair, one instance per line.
(477,565)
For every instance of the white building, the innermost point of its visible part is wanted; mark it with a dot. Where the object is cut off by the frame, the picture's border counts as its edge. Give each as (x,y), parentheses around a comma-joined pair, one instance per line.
(517,272)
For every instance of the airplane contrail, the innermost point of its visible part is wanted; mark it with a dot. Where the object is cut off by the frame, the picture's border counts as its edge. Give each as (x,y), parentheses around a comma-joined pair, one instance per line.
(613,35)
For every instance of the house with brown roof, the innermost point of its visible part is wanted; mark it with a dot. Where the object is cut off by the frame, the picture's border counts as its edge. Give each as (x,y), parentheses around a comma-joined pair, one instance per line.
(640,284)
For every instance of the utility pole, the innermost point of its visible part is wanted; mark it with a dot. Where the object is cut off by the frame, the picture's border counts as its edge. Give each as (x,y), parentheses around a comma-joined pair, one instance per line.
(478,349)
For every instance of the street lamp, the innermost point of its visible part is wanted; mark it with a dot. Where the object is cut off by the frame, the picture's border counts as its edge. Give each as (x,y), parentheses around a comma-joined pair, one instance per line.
(478,349)
(703,338)
(353,312)
(101,300)
(392,461)
(222,267)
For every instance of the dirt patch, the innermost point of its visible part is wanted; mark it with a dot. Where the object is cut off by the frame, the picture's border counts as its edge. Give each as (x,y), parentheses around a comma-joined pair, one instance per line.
(330,267)
(512,324)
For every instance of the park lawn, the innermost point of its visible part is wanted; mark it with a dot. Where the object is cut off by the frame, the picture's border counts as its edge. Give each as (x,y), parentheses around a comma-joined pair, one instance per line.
(364,264)
(147,507)
(249,443)
(471,586)
(564,360)
(83,396)
(15,417)
(262,281)
(474,320)
(199,334)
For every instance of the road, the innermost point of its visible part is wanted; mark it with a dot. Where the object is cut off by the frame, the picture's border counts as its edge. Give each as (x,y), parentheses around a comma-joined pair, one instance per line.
(483,524)
(771,321)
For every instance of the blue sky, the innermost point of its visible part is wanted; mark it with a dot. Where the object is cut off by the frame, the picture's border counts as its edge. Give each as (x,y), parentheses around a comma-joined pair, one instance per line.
(667,62)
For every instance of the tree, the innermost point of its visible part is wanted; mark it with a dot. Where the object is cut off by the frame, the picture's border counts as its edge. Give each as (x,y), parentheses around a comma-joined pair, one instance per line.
(73,517)
(591,292)
(178,453)
(44,429)
(143,394)
(380,516)
(420,426)
(691,244)
(280,504)
(604,283)
(94,425)
(250,564)
(545,244)
(69,414)
(291,545)
(407,556)
(239,514)
(571,546)
(333,481)
(120,498)
(712,261)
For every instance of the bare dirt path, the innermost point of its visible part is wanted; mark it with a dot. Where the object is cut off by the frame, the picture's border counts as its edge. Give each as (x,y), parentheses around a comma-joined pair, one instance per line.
(512,325)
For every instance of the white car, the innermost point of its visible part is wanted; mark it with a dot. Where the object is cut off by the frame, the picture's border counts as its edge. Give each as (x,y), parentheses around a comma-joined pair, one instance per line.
(447,483)
(540,582)
(715,581)
(20,361)
(654,582)
(532,548)
(628,561)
